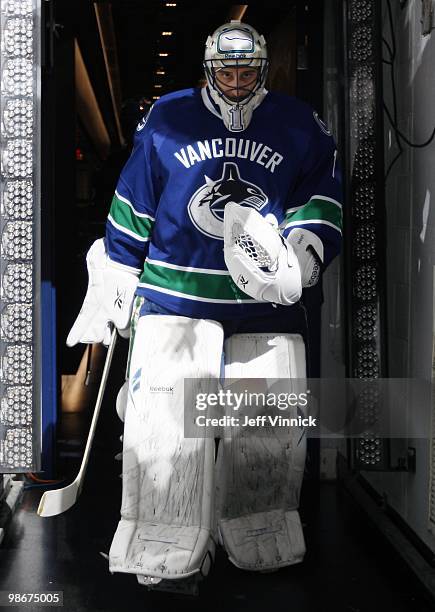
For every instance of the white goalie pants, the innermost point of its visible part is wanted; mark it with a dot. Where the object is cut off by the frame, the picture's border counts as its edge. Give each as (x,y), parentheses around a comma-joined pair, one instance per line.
(176,500)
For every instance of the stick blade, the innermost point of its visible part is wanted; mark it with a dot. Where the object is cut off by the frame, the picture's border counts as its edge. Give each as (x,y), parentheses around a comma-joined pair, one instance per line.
(58,500)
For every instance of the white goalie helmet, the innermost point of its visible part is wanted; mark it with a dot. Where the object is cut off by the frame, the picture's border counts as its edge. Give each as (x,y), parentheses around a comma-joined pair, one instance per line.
(236,45)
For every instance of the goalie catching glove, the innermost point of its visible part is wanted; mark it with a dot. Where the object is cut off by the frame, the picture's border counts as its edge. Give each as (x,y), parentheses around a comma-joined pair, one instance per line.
(108,300)
(264,264)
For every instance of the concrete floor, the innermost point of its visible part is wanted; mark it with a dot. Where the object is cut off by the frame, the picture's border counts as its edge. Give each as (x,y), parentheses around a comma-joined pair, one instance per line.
(345,569)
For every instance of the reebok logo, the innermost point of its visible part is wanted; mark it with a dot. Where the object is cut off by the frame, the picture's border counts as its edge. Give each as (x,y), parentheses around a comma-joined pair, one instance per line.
(242,281)
(119,300)
(161,389)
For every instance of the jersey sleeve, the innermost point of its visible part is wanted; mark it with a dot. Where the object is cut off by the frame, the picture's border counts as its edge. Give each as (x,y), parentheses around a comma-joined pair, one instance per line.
(132,213)
(315,202)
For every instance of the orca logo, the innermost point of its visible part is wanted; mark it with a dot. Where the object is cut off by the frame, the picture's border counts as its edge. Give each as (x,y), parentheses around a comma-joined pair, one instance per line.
(206,206)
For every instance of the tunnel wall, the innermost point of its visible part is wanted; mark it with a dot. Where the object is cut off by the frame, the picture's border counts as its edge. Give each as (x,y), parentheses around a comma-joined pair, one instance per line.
(409,86)
(333,324)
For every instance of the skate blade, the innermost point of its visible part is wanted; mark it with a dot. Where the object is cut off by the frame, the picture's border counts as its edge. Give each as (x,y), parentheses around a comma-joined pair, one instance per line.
(183,586)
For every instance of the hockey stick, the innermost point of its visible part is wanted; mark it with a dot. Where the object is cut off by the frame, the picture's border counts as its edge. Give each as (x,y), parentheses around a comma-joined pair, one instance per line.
(59,500)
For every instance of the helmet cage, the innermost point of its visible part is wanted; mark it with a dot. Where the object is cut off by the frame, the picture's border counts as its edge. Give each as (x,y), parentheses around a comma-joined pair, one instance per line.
(212,67)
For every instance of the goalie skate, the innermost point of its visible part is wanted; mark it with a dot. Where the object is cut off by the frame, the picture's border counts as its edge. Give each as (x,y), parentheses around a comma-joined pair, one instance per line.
(184,586)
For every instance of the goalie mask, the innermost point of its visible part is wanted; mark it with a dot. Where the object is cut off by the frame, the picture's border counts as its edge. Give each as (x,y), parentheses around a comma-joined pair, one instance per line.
(235,65)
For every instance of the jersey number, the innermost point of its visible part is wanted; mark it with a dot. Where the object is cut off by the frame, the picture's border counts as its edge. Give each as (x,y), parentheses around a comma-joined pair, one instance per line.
(236,118)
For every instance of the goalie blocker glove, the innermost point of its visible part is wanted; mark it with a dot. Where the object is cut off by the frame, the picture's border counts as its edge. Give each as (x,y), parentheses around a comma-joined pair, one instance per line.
(108,300)
(310,253)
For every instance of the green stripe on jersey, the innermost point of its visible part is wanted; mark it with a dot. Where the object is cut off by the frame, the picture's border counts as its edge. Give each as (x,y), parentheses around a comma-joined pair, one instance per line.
(191,283)
(124,215)
(317,209)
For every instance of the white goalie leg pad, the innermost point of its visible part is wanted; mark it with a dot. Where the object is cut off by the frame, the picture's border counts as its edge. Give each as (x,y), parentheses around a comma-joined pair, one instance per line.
(121,401)
(259,478)
(168,480)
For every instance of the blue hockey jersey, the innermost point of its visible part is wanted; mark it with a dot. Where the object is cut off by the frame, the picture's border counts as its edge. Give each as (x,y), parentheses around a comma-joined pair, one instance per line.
(166,218)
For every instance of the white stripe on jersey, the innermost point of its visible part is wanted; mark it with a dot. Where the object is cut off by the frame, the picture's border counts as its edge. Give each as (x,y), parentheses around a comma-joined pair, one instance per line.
(138,214)
(124,230)
(314,197)
(312,222)
(196,298)
(164,264)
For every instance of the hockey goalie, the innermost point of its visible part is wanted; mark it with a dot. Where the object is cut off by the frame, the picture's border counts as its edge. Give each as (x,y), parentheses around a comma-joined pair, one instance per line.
(228,208)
